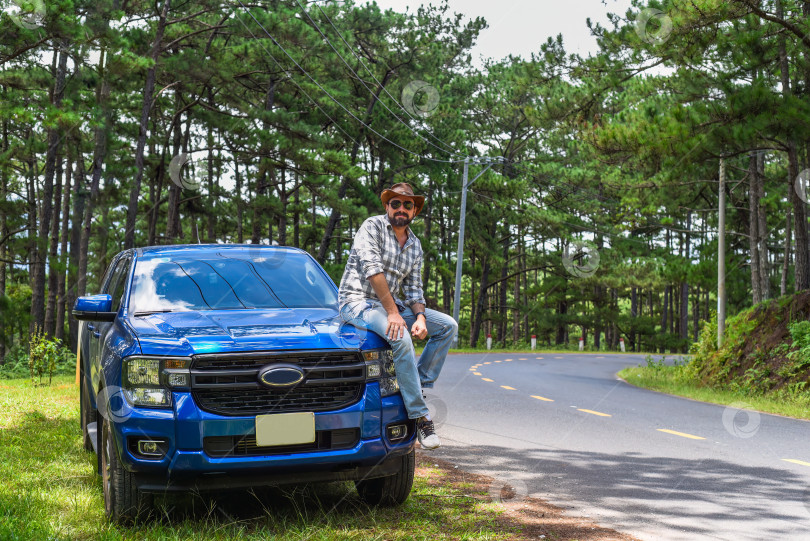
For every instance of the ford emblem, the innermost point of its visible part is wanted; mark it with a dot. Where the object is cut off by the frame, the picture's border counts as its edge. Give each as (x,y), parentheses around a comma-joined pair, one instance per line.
(281,375)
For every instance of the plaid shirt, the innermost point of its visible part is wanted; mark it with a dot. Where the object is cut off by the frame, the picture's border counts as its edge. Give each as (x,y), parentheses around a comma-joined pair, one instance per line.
(375,250)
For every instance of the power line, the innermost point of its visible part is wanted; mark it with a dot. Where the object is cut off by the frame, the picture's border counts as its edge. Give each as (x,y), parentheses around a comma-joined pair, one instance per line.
(316,83)
(384,89)
(363,82)
(292,80)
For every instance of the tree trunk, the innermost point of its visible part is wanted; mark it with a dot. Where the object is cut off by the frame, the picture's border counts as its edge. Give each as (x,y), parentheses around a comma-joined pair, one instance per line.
(148,94)
(53,250)
(762,230)
(753,228)
(239,202)
(297,213)
(60,283)
(282,217)
(334,217)
(3,235)
(38,253)
(173,231)
(801,266)
(212,196)
(786,258)
(478,316)
(77,218)
(503,288)
(633,316)
(426,276)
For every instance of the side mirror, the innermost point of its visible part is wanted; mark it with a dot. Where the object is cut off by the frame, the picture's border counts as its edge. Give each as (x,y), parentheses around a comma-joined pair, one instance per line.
(94,308)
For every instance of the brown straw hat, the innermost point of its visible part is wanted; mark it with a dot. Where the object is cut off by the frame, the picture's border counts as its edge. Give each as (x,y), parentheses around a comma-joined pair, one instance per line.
(403,189)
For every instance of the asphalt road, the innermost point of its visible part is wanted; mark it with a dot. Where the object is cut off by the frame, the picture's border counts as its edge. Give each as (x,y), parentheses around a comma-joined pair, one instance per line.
(564,428)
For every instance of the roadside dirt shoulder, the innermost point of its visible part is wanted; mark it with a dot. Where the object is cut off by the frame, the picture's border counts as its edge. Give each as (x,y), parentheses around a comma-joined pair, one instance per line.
(532,517)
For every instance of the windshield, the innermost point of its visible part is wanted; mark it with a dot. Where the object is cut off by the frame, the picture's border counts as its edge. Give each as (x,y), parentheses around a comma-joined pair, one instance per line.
(220,282)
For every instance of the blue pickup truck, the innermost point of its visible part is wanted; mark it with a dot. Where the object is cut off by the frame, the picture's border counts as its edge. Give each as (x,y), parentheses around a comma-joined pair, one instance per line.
(212,367)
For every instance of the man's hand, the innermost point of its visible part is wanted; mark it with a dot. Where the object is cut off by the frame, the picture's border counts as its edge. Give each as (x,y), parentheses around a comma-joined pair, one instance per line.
(419,329)
(396,327)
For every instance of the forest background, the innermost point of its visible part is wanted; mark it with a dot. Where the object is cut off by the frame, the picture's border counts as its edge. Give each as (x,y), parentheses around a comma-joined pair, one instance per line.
(126,123)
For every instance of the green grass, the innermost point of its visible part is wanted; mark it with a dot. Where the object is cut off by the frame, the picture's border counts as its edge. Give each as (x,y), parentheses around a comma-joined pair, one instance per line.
(675,380)
(49,490)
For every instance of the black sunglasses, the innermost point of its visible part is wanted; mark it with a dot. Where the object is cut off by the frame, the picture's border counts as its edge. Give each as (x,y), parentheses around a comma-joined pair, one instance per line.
(395,204)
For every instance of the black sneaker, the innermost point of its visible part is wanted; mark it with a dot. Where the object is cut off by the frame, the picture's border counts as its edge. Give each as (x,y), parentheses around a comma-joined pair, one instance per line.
(427,435)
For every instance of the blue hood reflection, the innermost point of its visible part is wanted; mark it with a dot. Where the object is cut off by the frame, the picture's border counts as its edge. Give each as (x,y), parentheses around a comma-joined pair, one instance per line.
(221,331)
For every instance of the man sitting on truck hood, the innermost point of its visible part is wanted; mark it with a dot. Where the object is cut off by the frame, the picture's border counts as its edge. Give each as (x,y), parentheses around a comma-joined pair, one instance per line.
(386,257)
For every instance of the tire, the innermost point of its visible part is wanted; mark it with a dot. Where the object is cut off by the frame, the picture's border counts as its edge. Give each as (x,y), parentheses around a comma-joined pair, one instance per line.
(123,502)
(87,414)
(392,490)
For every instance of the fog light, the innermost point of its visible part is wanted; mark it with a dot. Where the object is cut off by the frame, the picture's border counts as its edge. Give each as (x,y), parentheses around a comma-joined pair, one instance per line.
(397,432)
(151,448)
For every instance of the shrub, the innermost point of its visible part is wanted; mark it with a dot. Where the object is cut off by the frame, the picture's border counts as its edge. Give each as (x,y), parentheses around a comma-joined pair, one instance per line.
(47,356)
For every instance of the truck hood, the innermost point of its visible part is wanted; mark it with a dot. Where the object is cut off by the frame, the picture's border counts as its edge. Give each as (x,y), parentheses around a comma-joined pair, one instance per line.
(222,331)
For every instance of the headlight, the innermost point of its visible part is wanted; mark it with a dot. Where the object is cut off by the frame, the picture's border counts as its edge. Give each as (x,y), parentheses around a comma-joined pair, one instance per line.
(380,365)
(148,381)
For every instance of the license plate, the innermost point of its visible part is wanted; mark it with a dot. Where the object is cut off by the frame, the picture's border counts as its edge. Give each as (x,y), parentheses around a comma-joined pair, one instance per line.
(285,429)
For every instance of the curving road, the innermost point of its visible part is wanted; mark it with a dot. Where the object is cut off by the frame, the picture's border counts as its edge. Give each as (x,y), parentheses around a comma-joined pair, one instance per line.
(564,428)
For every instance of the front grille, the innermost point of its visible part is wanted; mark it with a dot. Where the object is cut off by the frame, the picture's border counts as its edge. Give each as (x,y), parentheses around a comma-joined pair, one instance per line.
(325,440)
(229,384)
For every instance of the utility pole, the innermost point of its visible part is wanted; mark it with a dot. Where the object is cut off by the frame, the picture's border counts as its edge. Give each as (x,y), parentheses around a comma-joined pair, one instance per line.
(462,221)
(721,257)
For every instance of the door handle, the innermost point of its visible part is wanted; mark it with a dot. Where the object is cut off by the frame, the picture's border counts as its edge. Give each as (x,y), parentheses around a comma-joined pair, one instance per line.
(90,327)
(96,334)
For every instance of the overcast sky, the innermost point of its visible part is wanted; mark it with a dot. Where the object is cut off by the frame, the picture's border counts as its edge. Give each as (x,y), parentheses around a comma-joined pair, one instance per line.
(520,26)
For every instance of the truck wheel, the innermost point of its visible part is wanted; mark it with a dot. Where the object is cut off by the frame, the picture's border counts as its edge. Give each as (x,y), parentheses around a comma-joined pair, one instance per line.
(87,415)
(391,490)
(123,502)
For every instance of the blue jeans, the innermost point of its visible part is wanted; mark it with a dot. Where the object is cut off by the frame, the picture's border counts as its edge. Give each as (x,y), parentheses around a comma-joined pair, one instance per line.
(412,376)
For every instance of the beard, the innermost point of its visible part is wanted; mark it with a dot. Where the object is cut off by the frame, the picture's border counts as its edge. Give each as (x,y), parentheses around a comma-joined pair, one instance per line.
(399,220)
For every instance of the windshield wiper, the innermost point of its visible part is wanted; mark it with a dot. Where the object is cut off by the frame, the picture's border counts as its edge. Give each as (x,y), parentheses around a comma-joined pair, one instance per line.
(150,312)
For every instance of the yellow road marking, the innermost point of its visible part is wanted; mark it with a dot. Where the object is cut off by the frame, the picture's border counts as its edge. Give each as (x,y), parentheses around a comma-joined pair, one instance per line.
(497,361)
(524,359)
(476,373)
(683,435)
(544,399)
(794,461)
(540,358)
(489,380)
(559,357)
(596,413)
(487,362)
(508,360)
(508,388)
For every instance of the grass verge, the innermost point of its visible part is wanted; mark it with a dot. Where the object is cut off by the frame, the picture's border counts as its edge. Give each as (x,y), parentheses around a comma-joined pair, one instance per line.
(672,380)
(49,490)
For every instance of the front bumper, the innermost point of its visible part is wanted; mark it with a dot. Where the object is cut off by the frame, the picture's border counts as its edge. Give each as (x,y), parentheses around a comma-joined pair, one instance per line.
(186,465)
